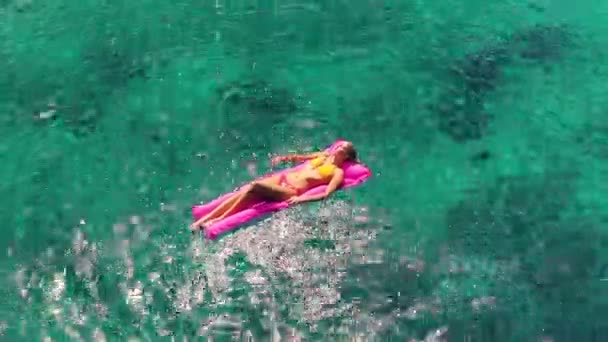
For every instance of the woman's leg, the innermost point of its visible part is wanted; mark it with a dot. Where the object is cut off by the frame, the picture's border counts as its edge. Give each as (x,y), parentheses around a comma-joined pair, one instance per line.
(227,203)
(268,189)
(219,210)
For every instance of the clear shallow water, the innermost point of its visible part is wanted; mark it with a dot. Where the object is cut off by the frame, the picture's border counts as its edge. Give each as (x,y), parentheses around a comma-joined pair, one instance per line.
(483,123)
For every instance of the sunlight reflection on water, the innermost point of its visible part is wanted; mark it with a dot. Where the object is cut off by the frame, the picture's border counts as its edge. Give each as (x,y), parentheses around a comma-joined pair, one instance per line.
(280,278)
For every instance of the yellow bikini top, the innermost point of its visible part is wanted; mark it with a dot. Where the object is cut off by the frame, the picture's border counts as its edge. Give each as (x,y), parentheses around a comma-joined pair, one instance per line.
(325,170)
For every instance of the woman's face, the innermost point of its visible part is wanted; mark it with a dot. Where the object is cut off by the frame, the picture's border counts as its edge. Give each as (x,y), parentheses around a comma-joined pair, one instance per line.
(342,149)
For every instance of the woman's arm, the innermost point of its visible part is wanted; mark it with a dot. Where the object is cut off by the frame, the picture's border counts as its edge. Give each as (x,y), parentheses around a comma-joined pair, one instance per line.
(296,157)
(333,185)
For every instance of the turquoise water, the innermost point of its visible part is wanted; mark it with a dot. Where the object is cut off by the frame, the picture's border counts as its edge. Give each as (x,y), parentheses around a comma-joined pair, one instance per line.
(482,121)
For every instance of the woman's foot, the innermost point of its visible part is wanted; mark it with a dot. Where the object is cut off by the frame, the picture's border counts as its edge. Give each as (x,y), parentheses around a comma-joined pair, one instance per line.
(196,226)
(202,224)
(211,222)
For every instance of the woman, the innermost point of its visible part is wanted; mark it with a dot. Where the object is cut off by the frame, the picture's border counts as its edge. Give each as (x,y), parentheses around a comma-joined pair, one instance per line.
(322,168)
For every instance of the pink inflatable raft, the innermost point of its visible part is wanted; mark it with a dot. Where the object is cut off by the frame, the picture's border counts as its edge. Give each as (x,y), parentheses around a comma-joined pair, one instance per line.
(354,174)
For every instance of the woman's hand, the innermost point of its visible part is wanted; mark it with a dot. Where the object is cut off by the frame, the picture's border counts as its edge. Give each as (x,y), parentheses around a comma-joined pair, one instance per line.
(306,198)
(295,200)
(276,160)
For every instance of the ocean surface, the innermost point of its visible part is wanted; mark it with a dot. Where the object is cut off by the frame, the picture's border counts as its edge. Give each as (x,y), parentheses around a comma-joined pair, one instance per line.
(485,124)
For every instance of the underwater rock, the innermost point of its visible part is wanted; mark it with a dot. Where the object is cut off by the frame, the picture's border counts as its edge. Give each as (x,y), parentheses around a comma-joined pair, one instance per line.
(76,105)
(257,97)
(463,120)
(114,62)
(563,260)
(23,5)
(514,212)
(460,111)
(521,221)
(481,156)
(247,107)
(541,43)
(481,70)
